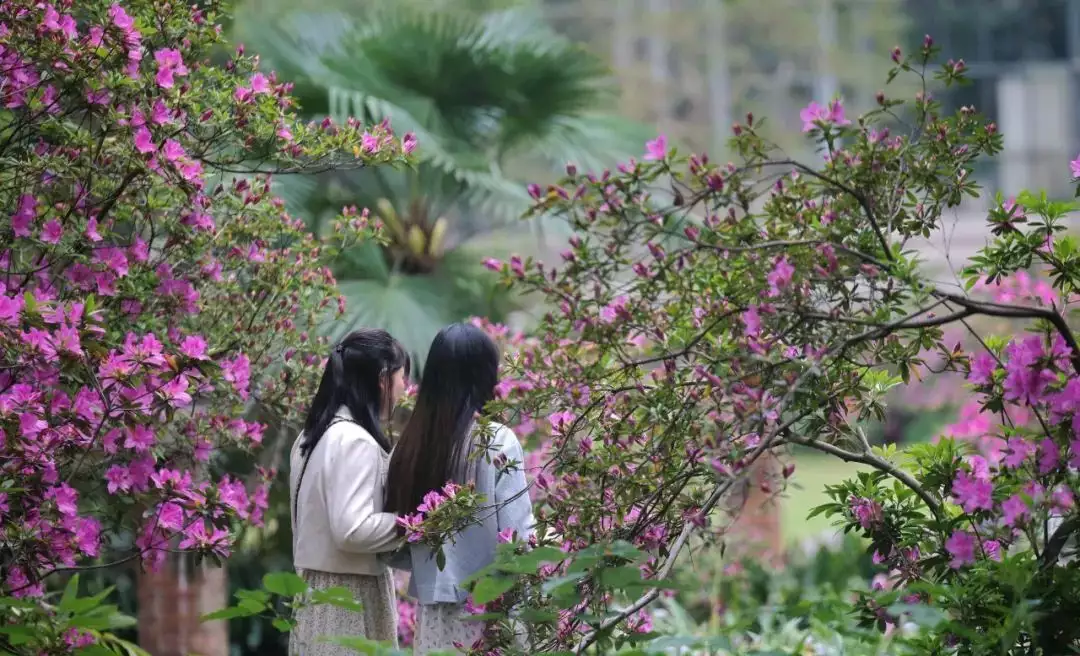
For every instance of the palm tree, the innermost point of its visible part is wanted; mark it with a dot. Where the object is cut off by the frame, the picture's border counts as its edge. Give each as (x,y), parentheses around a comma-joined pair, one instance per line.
(495,98)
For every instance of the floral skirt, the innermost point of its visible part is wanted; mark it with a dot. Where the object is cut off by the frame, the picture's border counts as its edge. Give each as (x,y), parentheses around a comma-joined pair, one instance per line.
(377,620)
(445,627)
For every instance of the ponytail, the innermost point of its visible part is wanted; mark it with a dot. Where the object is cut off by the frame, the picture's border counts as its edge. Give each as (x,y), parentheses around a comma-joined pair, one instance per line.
(356,374)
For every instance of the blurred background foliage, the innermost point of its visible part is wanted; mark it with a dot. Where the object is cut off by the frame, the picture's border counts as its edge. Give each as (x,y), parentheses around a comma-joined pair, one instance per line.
(495,97)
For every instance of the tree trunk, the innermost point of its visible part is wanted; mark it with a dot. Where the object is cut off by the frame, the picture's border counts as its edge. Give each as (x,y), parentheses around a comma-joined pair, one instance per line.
(756,529)
(172,601)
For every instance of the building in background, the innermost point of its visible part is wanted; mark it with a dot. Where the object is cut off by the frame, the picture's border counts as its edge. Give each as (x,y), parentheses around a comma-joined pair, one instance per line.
(691,67)
(1024,60)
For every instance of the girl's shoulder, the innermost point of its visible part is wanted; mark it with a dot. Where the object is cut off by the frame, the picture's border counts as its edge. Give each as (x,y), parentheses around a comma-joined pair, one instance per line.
(498,436)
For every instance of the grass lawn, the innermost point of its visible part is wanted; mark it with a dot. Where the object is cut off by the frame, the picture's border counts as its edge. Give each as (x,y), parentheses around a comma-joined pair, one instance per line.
(813,471)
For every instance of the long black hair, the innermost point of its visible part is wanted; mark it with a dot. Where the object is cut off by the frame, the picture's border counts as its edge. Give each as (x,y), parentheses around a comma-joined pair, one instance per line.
(459,378)
(359,368)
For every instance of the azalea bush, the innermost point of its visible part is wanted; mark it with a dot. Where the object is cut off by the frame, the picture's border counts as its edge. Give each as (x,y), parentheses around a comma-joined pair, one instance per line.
(158,307)
(706,317)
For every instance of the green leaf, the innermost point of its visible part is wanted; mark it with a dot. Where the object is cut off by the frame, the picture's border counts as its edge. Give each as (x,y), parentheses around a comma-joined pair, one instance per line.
(552,585)
(286,584)
(530,561)
(229,613)
(284,625)
(71,593)
(538,615)
(618,577)
(338,597)
(490,588)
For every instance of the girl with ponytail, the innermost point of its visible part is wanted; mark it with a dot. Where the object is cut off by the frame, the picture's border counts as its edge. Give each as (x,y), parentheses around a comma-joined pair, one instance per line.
(338,466)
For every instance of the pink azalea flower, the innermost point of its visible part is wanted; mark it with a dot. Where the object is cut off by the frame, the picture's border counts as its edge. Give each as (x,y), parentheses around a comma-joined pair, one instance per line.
(1014,510)
(52,232)
(1074,166)
(369,143)
(173,150)
(815,115)
(657,149)
(1018,451)
(159,114)
(867,512)
(65,498)
(971,493)
(992,549)
(237,371)
(561,421)
(144,141)
(24,215)
(1049,456)
(961,546)
(780,276)
(259,83)
(408,143)
(140,438)
(120,18)
(751,322)
(982,369)
(118,479)
(194,347)
(169,63)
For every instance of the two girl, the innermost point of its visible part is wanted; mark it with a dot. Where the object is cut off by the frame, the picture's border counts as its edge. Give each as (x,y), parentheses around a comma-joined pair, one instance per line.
(347,489)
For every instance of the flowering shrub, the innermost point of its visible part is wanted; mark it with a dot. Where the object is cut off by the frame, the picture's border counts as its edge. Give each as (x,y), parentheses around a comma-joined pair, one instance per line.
(155,299)
(706,316)
(441,515)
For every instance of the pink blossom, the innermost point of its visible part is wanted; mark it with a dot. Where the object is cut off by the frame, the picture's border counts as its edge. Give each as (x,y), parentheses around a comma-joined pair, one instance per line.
(24,215)
(992,549)
(65,498)
(1074,166)
(1014,510)
(259,84)
(867,512)
(11,308)
(1049,456)
(194,347)
(961,546)
(1061,499)
(196,536)
(172,150)
(120,18)
(52,232)
(139,438)
(1018,450)
(431,501)
(159,114)
(780,276)
(815,115)
(982,369)
(144,141)
(657,149)
(408,143)
(751,322)
(369,143)
(118,479)
(237,370)
(169,63)
(561,421)
(971,493)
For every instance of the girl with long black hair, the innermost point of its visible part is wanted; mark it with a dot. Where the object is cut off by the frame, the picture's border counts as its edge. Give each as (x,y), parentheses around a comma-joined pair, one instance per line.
(338,466)
(440,444)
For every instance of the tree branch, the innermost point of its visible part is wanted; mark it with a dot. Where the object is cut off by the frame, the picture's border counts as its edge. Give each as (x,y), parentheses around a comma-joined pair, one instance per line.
(868,458)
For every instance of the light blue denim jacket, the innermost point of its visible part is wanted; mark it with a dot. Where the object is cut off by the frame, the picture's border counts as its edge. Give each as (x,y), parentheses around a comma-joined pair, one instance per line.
(474,548)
